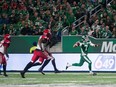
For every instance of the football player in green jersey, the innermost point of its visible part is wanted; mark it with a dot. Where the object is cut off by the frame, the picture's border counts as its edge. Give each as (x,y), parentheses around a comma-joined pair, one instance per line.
(84,44)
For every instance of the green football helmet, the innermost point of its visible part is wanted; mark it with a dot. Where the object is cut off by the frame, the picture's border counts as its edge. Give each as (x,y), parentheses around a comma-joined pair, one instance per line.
(85,38)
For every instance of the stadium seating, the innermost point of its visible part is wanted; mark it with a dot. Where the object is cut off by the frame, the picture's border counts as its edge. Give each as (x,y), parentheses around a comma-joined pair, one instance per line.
(21,12)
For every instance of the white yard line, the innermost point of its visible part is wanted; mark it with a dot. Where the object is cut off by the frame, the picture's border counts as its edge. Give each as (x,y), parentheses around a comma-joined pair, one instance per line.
(60,85)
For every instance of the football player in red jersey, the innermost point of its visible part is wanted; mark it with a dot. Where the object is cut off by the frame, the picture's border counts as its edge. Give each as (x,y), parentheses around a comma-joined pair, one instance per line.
(41,53)
(46,49)
(38,54)
(4,44)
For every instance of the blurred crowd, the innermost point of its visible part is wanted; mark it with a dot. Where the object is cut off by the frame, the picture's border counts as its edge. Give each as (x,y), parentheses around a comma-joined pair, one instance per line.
(100,25)
(31,17)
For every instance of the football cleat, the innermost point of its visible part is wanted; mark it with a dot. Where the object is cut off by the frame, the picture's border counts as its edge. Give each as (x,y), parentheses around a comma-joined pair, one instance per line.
(40,70)
(22,74)
(93,73)
(67,66)
(42,73)
(5,75)
(57,71)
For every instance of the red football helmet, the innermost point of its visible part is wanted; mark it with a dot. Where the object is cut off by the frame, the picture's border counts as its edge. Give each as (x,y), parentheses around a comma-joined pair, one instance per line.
(7,36)
(47,33)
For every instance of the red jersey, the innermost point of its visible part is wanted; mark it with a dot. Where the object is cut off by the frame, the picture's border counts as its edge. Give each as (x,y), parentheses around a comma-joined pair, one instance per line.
(4,43)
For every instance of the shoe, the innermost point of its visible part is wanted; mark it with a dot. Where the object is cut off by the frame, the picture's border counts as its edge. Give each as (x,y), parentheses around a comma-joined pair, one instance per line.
(67,66)
(5,75)
(57,71)
(93,73)
(42,73)
(40,70)
(22,74)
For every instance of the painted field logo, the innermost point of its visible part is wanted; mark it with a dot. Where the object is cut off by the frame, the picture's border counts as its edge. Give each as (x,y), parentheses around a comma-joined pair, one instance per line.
(105,62)
(108,47)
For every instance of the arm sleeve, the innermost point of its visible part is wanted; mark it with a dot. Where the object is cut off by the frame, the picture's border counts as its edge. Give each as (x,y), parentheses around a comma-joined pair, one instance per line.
(92,44)
(6,43)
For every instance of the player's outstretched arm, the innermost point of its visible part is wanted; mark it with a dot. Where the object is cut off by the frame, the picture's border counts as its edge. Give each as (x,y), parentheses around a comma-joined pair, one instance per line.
(40,43)
(76,44)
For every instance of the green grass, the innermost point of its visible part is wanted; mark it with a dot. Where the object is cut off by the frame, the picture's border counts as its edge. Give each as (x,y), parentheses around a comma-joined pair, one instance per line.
(52,78)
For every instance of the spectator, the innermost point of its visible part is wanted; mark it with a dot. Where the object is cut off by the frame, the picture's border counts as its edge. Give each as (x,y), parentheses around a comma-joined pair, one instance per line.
(113,5)
(4,30)
(87,28)
(90,32)
(96,33)
(96,25)
(12,30)
(13,5)
(82,31)
(83,9)
(90,22)
(35,16)
(51,22)
(5,7)
(70,17)
(21,6)
(12,17)
(78,14)
(107,33)
(40,29)
(73,30)
(34,30)
(59,28)
(109,21)
(26,30)
(38,21)
(5,18)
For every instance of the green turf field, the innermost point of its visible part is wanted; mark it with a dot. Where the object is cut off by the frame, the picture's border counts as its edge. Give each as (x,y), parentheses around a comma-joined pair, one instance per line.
(52,78)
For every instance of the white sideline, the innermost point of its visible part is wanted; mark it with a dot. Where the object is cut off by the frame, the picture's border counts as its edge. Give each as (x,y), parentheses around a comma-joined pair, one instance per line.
(61,85)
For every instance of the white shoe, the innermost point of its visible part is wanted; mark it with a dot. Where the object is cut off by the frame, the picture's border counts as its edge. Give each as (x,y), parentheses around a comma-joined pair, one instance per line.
(67,66)
(93,73)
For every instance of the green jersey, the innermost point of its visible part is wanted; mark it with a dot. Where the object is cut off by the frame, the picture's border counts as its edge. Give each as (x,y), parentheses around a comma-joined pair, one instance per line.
(84,45)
